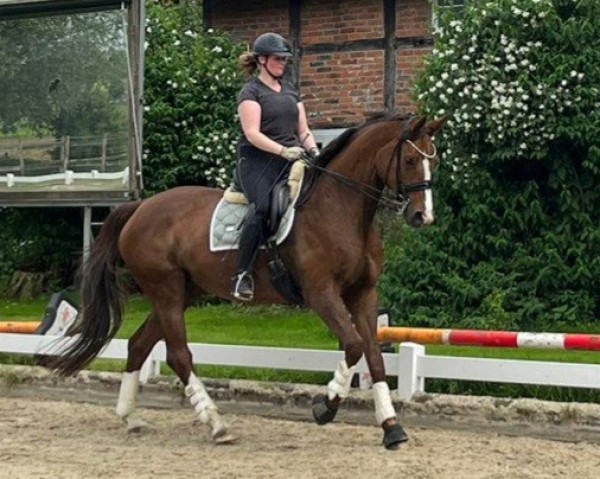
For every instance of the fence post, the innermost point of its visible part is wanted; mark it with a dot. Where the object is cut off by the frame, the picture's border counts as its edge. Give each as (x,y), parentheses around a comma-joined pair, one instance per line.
(66,152)
(104,152)
(21,158)
(150,368)
(409,380)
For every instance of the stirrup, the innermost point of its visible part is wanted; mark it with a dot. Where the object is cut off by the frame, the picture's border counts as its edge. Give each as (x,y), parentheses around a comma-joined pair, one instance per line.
(243,288)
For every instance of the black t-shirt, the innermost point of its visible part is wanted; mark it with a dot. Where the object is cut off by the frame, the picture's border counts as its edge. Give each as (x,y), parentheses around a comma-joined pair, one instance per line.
(279,116)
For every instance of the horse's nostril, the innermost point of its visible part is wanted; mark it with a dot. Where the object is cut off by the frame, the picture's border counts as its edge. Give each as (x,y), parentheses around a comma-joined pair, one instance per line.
(417,219)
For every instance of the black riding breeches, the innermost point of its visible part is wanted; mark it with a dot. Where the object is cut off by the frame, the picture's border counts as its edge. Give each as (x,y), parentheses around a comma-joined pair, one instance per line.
(258,172)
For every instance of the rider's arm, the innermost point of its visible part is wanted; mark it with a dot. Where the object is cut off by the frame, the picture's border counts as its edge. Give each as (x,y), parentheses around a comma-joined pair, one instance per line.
(250,115)
(306,137)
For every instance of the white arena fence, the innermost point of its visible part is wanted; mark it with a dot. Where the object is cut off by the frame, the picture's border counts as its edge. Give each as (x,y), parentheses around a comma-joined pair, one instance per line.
(410,365)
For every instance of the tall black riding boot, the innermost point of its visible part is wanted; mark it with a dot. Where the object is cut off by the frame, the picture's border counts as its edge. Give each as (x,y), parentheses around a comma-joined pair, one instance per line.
(250,241)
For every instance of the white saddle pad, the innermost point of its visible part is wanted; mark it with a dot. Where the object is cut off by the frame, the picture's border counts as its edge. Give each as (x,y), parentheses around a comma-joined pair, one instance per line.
(225,225)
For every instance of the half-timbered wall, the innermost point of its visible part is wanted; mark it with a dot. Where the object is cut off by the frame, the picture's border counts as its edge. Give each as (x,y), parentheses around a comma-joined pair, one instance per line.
(352,58)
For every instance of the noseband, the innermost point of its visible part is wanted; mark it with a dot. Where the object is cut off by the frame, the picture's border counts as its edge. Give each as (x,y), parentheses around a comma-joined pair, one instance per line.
(405,189)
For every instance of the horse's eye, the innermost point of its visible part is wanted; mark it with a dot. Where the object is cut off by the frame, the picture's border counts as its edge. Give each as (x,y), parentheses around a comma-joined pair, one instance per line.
(412,161)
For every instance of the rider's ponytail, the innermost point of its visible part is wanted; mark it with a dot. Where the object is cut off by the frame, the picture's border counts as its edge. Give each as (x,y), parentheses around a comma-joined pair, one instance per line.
(248,63)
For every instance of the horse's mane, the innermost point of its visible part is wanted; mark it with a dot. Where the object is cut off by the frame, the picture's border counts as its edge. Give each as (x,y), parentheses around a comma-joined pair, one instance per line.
(337,145)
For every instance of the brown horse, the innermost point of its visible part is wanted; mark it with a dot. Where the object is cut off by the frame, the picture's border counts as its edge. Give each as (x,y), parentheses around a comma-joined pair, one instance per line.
(334,253)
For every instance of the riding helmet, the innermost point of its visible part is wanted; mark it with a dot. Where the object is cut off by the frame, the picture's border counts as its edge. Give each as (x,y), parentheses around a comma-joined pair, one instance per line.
(272,44)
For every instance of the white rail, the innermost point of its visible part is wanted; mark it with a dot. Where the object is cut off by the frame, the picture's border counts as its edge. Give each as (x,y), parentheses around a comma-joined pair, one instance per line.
(68,177)
(411,365)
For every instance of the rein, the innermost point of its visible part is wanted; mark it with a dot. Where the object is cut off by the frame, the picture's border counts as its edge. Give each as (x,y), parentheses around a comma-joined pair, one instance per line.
(398,200)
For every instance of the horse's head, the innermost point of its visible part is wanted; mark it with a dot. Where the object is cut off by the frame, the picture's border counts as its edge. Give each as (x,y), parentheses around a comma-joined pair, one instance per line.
(409,170)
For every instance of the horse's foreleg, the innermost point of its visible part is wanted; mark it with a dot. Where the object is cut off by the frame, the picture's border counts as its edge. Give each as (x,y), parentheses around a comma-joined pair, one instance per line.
(363,308)
(333,311)
(139,347)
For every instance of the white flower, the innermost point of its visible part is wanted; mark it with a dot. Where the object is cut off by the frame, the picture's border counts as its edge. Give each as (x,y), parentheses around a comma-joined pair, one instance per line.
(176,43)
(217,49)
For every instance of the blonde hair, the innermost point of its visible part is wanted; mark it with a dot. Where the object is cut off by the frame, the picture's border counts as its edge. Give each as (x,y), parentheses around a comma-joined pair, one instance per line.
(248,63)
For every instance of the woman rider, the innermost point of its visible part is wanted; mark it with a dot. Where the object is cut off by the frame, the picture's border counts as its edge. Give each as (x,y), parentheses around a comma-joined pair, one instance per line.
(275,133)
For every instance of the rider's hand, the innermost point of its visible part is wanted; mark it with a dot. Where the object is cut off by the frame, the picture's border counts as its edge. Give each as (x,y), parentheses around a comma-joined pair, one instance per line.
(313,153)
(292,153)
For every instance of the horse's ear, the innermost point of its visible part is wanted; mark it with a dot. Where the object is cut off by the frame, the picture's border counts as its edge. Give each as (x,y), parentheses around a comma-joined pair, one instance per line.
(416,125)
(433,126)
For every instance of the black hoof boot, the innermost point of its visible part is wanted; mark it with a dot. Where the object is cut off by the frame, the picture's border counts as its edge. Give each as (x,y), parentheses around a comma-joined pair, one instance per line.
(321,410)
(393,437)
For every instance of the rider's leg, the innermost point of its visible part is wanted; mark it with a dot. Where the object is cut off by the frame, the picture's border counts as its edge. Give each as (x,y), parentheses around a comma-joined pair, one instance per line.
(251,238)
(258,173)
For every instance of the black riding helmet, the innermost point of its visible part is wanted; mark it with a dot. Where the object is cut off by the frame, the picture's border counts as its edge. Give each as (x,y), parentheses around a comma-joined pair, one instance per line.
(272,44)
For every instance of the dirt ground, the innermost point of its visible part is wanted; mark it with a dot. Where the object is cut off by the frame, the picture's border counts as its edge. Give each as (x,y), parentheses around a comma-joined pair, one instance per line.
(48,438)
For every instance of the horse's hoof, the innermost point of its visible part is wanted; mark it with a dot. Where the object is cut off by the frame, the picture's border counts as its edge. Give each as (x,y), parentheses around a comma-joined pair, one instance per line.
(393,437)
(137,426)
(321,410)
(223,437)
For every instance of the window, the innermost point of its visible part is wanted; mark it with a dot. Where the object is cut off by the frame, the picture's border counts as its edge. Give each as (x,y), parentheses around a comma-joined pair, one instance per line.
(440,6)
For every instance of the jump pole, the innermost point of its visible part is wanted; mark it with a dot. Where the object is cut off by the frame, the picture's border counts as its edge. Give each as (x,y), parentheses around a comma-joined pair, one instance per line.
(22,327)
(496,339)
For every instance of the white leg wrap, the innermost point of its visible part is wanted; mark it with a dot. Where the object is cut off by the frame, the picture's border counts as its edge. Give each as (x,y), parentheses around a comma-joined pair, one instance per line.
(384,408)
(340,384)
(127,400)
(204,405)
(128,393)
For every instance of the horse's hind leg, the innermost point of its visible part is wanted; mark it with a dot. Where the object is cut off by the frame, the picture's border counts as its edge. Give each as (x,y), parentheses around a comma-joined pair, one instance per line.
(169,305)
(139,347)
(363,307)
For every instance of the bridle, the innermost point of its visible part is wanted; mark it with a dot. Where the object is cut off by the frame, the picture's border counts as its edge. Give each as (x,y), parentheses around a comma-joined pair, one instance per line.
(399,200)
(404,189)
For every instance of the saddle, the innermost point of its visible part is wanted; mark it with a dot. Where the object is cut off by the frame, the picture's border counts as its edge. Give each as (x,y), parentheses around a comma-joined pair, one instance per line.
(285,194)
(233,208)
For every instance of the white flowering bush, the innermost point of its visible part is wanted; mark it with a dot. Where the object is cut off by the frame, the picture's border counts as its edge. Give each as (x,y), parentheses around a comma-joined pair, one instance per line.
(516,243)
(191,82)
(516,77)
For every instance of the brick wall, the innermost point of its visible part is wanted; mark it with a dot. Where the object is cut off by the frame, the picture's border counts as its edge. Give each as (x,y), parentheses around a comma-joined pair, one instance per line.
(341,76)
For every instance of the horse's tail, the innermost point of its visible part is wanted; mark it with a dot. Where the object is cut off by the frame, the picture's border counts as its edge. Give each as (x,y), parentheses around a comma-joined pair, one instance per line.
(101,296)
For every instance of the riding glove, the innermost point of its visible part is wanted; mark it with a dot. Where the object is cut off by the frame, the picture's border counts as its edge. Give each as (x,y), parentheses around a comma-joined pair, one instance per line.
(292,153)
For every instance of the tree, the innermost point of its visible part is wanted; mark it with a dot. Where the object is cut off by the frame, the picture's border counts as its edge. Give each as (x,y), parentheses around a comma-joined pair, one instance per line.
(63,75)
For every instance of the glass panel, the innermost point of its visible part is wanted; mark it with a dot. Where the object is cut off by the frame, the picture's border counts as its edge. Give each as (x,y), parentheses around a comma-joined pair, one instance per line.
(64,122)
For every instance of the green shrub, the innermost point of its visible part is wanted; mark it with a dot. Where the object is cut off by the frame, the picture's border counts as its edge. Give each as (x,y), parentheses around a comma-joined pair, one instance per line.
(191,83)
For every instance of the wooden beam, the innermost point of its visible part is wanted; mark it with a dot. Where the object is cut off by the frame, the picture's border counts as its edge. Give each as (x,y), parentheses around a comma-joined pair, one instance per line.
(207,14)
(389,55)
(295,13)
